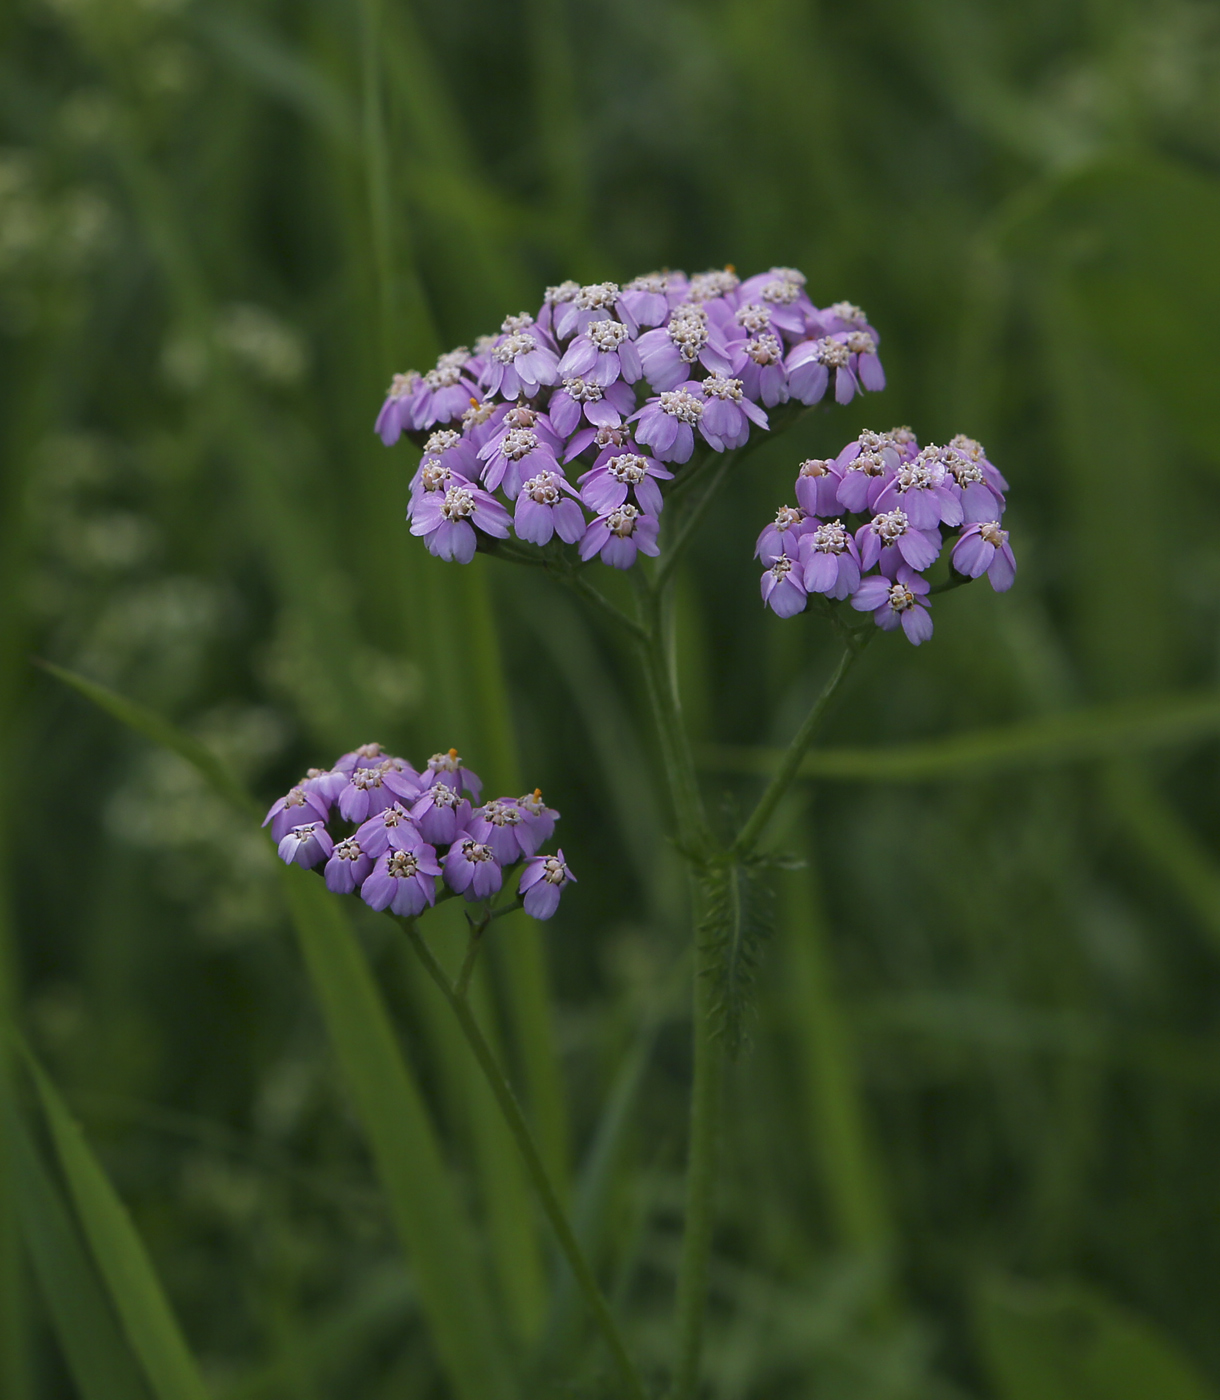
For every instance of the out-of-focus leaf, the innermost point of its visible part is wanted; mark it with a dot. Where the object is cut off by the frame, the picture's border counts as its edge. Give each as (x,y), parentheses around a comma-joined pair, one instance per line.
(149,1321)
(1139,239)
(1087,733)
(96,1352)
(1068,1343)
(153,726)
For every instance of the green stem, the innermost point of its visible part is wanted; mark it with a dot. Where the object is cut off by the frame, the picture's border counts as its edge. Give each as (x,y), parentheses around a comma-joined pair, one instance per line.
(517,1125)
(747,837)
(579,584)
(707,1095)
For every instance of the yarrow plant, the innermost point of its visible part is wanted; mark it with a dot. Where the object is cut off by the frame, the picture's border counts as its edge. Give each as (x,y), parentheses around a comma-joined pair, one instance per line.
(599,428)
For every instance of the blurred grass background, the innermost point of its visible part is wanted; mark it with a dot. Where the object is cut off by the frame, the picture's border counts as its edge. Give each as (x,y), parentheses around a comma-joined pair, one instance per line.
(973,1151)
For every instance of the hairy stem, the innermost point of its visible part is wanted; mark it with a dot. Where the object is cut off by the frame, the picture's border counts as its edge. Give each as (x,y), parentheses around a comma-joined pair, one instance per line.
(517,1125)
(748,836)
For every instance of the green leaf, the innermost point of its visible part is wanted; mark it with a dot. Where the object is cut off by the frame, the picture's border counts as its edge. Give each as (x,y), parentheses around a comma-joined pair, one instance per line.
(431,1220)
(736,923)
(153,726)
(1068,1343)
(1095,732)
(97,1355)
(149,1321)
(427,1210)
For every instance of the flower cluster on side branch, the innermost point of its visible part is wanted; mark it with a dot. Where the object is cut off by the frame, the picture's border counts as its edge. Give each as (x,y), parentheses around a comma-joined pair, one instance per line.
(870,523)
(406,830)
(570,423)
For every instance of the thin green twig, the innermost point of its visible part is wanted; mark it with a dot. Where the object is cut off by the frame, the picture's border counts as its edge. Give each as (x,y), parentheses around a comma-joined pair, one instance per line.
(519,1128)
(747,837)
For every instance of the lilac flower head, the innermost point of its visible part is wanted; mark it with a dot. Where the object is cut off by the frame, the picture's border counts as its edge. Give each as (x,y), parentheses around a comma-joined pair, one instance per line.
(447,767)
(782,293)
(593,302)
(389,829)
(402,881)
(537,821)
(892,533)
(606,485)
(396,410)
(482,420)
(646,301)
(305,845)
(925,491)
(667,424)
(810,366)
(984,549)
(603,353)
(759,364)
(707,286)
(668,353)
(366,794)
(471,868)
(446,391)
(454,450)
(783,587)
(831,560)
(577,398)
(347,867)
(982,497)
(556,297)
(542,882)
(973,450)
(619,534)
(607,441)
(513,456)
(521,363)
(447,522)
(290,810)
(543,509)
(727,413)
(867,466)
(781,536)
(817,486)
(843,316)
(898,601)
(500,825)
(440,813)
(431,476)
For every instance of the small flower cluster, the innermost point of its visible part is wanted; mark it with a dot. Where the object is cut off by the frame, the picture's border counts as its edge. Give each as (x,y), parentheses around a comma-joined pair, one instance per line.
(885,504)
(400,819)
(617,384)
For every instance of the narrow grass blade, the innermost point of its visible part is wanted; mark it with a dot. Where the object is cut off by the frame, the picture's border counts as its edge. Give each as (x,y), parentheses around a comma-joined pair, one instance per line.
(149,1321)
(426,1207)
(1167,843)
(153,726)
(94,1348)
(835,1120)
(1082,734)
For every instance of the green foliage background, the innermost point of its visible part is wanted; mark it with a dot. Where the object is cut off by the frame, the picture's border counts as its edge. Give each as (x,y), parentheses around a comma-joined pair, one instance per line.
(973,1150)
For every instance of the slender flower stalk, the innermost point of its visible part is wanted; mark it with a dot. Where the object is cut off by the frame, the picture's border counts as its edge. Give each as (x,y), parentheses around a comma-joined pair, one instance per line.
(515,1119)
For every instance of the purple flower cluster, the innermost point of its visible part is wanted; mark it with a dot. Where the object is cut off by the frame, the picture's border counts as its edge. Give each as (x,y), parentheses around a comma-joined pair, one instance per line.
(613,386)
(869,523)
(400,820)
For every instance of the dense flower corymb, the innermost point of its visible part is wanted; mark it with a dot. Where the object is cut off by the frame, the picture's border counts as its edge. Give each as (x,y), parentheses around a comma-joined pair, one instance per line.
(871,522)
(664,367)
(403,819)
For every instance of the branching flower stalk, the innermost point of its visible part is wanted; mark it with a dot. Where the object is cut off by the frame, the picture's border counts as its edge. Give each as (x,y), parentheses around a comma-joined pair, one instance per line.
(652,396)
